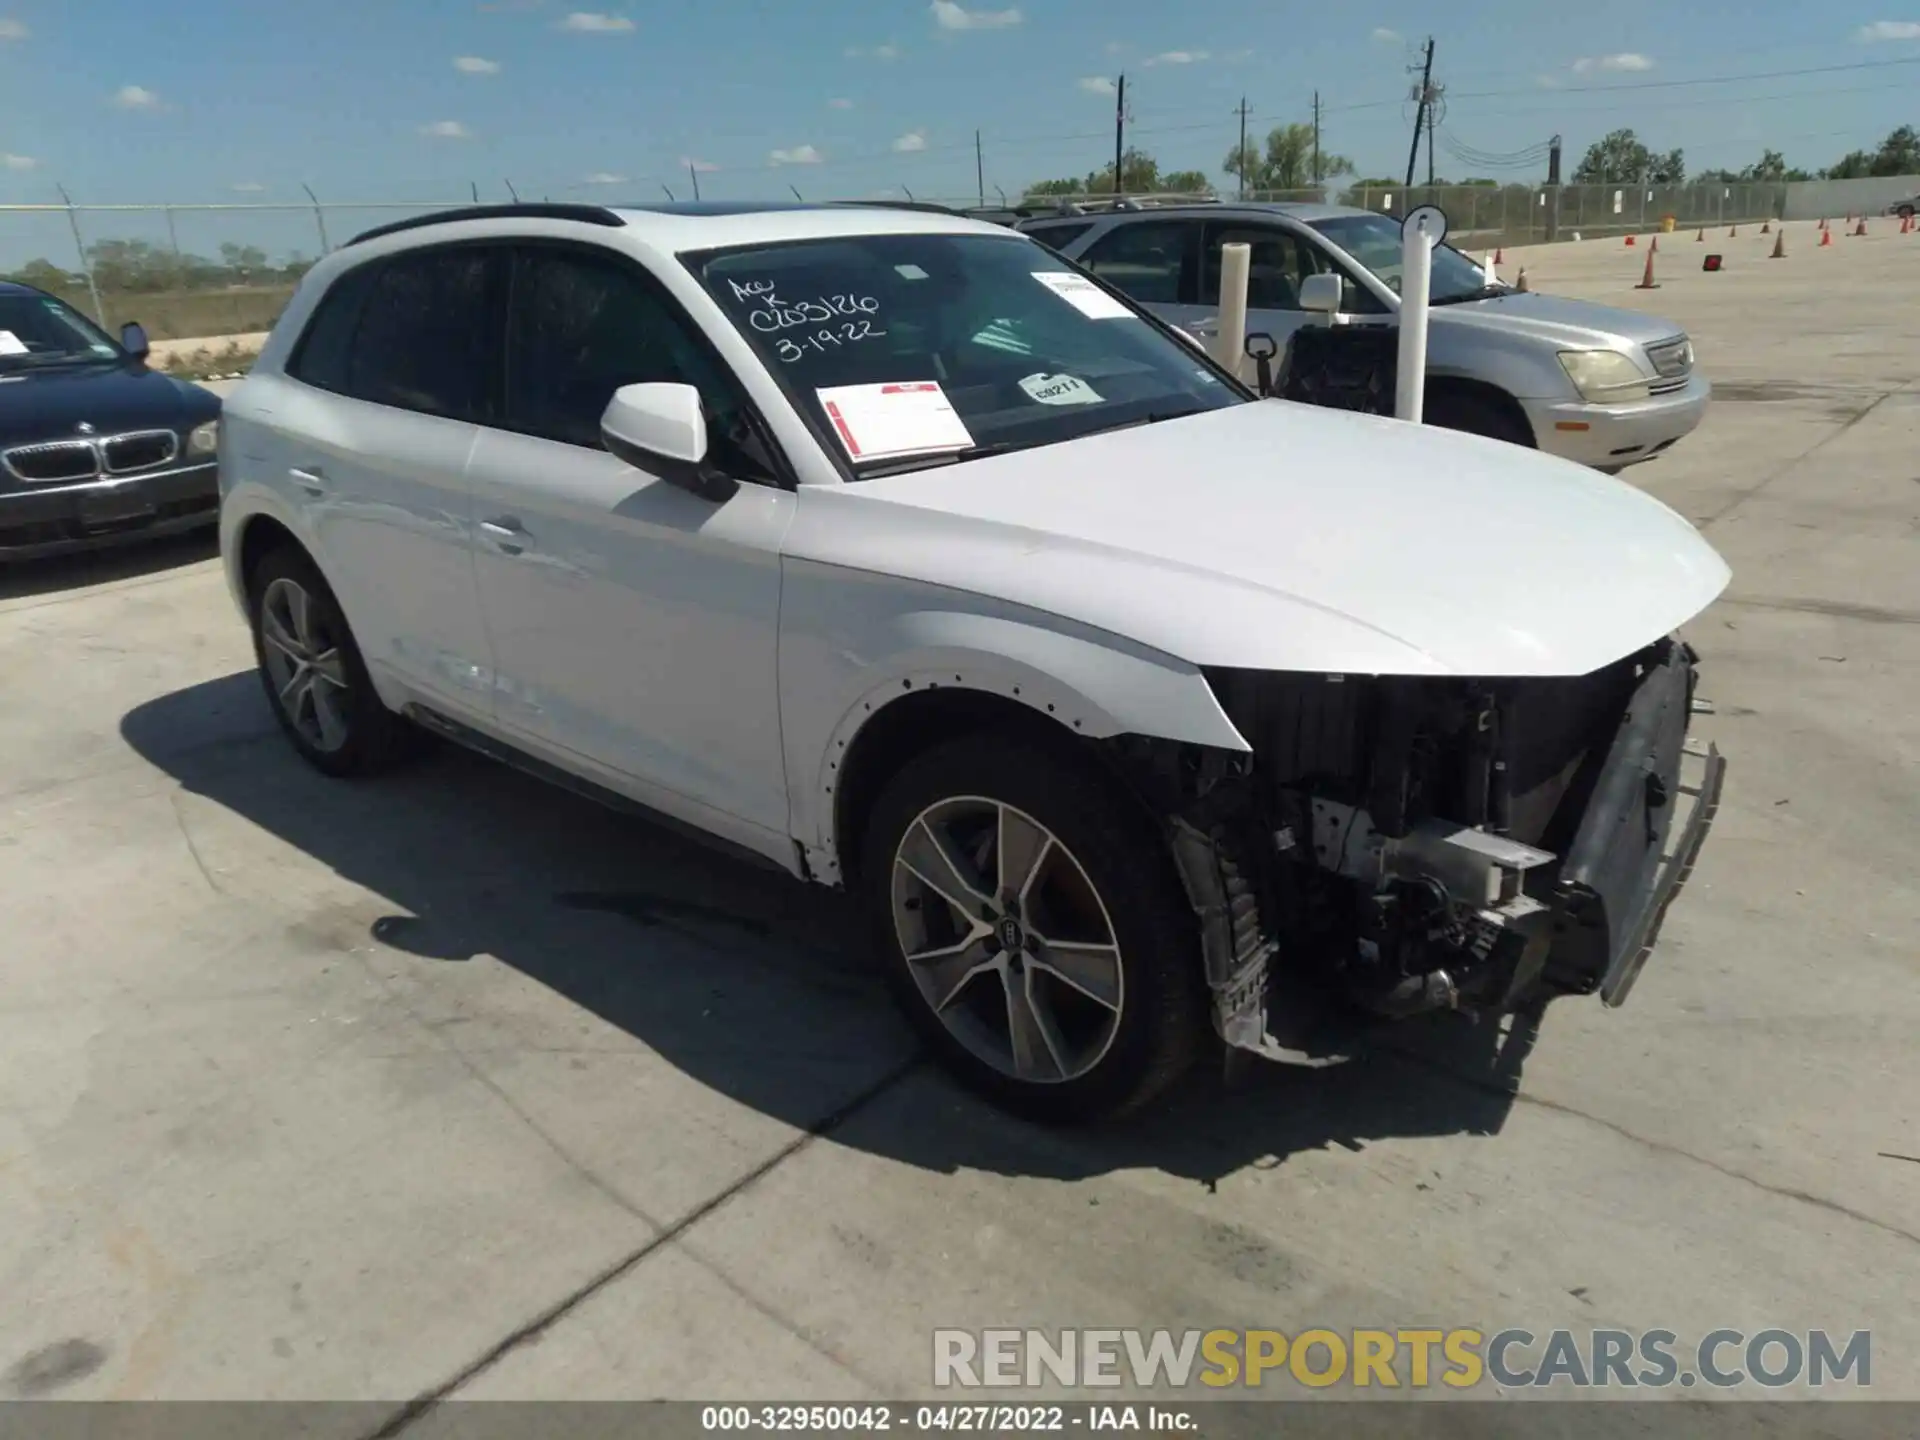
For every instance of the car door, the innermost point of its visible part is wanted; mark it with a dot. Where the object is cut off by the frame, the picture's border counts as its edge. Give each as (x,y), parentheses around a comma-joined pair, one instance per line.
(370,435)
(633,624)
(1156,263)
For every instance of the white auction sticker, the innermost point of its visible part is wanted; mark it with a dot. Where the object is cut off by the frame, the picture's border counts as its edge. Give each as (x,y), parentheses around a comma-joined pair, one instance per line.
(876,422)
(1059,390)
(1085,296)
(10,344)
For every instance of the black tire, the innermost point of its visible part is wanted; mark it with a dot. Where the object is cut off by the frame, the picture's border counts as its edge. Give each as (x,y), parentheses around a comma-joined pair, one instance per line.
(1477,415)
(1905,212)
(1161,1015)
(372,737)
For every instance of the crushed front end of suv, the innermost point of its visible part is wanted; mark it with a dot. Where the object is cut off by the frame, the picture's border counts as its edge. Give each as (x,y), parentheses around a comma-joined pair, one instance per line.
(892,548)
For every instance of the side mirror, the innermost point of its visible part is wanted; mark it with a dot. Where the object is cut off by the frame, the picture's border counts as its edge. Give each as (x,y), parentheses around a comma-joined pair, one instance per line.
(1322,293)
(662,429)
(133,340)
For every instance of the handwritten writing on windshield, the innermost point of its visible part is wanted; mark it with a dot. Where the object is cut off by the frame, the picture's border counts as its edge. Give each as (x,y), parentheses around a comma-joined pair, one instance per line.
(842,320)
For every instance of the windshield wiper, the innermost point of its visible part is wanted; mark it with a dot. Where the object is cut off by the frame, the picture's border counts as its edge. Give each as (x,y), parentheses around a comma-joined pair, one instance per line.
(1485,292)
(946,457)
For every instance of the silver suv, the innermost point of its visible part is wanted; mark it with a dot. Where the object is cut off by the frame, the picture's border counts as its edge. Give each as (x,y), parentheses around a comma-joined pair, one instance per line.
(1607,388)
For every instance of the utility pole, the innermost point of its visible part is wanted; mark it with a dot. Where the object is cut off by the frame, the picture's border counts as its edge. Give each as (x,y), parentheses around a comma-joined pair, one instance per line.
(1316,137)
(1553,189)
(1119,134)
(1243,147)
(1424,95)
(694,175)
(980,169)
(1430,119)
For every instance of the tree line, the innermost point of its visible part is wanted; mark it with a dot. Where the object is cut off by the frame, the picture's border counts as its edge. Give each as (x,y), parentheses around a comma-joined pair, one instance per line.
(142,268)
(1289,159)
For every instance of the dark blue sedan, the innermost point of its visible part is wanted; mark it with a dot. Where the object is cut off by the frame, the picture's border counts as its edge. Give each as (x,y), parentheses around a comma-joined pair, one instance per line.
(95,448)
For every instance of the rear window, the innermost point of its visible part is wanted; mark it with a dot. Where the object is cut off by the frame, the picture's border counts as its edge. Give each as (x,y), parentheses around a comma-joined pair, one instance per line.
(1055,237)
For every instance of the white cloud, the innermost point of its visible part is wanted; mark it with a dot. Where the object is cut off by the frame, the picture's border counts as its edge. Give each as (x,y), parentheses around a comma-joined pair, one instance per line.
(12,29)
(1890,30)
(596,22)
(18,162)
(702,167)
(1096,85)
(1386,36)
(247,187)
(839,103)
(798,155)
(954,16)
(446,130)
(474,65)
(1178,57)
(882,53)
(911,141)
(136,97)
(603,177)
(1548,82)
(1625,61)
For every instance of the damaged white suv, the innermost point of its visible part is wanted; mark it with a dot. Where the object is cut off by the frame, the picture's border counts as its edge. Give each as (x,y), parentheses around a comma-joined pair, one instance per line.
(891,548)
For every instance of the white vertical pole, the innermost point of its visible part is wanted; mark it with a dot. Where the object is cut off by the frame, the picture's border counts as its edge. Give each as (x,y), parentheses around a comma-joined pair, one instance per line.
(1416,288)
(1230,342)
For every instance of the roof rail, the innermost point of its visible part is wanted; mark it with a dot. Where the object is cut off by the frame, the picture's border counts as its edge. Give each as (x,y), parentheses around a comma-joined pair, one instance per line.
(586,214)
(925,205)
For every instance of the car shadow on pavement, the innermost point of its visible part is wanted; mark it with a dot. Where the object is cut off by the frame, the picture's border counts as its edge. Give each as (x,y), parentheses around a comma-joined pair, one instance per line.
(746,980)
(133,560)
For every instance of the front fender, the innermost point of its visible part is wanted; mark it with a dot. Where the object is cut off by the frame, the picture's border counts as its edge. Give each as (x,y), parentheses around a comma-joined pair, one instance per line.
(853,643)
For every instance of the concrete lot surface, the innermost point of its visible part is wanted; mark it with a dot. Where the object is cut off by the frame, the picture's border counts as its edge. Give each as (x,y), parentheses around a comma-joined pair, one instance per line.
(451,1084)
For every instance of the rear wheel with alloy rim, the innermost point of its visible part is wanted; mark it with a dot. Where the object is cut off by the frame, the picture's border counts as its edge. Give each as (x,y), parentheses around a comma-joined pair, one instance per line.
(313,673)
(1032,928)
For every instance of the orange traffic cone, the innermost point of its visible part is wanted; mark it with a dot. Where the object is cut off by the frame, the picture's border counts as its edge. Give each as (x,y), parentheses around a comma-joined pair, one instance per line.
(1779,245)
(1732,230)
(1703,233)
(1499,255)
(1521,284)
(1861,228)
(1766,227)
(1826,237)
(1647,282)
(1653,245)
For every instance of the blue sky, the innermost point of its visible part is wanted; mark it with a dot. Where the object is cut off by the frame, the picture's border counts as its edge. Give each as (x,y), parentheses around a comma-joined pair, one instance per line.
(214,100)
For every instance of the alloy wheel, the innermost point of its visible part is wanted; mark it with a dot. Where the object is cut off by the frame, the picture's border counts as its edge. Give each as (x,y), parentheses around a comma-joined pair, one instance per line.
(304,662)
(1007,940)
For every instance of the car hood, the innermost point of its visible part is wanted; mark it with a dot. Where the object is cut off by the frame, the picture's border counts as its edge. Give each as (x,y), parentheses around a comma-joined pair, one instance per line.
(47,404)
(1560,322)
(1278,536)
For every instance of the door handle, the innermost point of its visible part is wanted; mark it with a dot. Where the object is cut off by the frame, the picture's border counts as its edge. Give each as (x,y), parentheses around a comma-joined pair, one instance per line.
(505,532)
(314,482)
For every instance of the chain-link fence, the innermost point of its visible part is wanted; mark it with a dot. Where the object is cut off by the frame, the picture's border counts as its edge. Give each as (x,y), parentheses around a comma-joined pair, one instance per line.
(1500,215)
(182,271)
(198,271)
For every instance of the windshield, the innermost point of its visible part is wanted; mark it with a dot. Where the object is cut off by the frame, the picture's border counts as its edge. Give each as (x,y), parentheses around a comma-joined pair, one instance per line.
(37,330)
(1374,241)
(946,347)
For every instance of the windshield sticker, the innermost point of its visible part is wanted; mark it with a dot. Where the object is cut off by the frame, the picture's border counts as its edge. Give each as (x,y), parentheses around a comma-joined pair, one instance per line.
(877,422)
(1085,296)
(1060,390)
(10,344)
(909,272)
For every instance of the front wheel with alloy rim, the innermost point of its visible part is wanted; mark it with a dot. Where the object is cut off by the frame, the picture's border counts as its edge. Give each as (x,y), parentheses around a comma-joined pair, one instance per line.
(314,677)
(1032,928)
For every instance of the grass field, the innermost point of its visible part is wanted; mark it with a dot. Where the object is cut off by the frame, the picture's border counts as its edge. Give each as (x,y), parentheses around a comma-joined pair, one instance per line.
(187,314)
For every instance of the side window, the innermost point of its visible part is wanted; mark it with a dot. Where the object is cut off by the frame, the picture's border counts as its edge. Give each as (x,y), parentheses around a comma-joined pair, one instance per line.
(1149,261)
(1275,268)
(320,355)
(582,327)
(428,338)
(1057,237)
